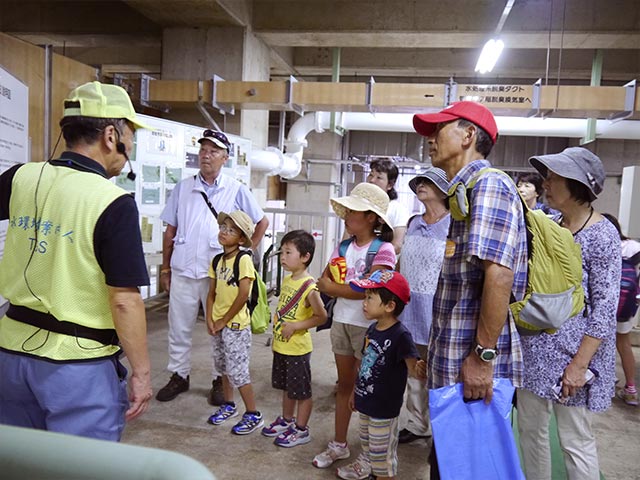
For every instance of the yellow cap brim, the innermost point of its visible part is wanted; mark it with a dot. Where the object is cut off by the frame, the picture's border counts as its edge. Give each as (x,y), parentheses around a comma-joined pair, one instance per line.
(138,124)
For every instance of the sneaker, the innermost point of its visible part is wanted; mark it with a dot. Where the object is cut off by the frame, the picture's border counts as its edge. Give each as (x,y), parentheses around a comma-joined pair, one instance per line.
(333,452)
(292,437)
(225,411)
(175,387)
(215,396)
(278,426)
(250,423)
(358,470)
(629,397)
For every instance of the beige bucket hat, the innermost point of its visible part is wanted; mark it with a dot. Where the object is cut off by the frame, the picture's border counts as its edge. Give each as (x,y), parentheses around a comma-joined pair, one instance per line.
(364,197)
(242,221)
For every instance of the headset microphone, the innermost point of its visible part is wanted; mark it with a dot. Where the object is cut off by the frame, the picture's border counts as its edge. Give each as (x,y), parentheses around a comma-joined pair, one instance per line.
(131,175)
(121,149)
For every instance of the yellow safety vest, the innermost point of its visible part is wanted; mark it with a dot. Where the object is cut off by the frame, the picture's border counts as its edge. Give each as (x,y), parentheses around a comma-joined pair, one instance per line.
(49,271)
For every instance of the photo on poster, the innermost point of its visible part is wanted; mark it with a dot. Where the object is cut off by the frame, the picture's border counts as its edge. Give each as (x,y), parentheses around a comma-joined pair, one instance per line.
(146,229)
(162,141)
(172,175)
(151,196)
(123,182)
(191,160)
(150,173)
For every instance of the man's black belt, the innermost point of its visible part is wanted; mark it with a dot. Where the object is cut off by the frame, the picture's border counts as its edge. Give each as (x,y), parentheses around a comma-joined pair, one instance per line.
(46,321)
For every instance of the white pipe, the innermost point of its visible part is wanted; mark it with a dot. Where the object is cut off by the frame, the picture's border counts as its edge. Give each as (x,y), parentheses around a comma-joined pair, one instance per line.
(274,162)
(507,126)
(288,165)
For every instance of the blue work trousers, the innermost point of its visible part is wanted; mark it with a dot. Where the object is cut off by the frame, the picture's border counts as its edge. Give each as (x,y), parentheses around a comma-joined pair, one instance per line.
(82,398)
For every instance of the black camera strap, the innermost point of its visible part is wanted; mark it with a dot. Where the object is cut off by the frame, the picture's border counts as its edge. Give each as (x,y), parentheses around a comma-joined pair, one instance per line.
(206,199)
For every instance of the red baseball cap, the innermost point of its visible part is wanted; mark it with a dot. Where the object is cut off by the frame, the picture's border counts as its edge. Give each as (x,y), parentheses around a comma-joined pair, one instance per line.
(389,279)
(425,123)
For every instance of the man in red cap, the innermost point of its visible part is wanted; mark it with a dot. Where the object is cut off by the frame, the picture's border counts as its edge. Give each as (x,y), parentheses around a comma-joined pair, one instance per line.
(473,336)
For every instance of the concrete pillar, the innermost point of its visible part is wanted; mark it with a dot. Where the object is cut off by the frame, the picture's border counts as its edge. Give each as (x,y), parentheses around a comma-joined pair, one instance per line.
(233,53)
(315,197)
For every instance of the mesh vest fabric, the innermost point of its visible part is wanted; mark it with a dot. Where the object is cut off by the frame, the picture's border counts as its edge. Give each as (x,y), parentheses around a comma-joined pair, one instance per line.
(63,277)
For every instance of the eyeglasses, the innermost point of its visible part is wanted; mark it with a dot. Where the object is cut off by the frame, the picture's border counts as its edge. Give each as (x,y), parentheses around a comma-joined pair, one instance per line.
(219,136)
(229,230)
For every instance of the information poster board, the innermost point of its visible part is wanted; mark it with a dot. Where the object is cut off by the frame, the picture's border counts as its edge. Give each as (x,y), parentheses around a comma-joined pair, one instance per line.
(14,132)
(164,156)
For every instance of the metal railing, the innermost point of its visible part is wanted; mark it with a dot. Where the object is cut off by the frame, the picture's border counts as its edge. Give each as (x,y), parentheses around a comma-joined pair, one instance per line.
(326,228)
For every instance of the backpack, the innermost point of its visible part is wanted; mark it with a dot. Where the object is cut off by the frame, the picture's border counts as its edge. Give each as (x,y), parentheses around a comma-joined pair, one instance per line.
(629,289)
(554,290)
(329,302)
(257,303)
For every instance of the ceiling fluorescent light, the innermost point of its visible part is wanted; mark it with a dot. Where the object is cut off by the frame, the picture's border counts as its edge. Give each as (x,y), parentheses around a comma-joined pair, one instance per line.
(489,55)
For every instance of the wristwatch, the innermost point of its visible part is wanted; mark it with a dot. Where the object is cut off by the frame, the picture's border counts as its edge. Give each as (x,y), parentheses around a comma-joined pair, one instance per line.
(486,354)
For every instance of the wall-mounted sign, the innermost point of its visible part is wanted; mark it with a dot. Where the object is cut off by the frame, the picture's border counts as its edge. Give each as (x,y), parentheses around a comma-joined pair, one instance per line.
(515,96)
(14,132)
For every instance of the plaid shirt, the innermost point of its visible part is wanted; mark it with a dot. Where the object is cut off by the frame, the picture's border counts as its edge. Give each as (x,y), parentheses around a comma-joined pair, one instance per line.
(497,233)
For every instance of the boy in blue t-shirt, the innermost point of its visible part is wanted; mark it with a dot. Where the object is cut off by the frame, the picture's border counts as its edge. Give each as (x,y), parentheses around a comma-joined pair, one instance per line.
(388,355)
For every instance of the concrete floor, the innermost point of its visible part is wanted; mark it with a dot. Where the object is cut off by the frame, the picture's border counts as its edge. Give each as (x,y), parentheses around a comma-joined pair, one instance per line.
(180,425)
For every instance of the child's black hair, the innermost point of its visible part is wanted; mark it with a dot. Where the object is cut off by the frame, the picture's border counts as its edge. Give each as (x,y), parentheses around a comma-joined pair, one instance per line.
(384,231)
(381,229)
(303,241)
(387,296)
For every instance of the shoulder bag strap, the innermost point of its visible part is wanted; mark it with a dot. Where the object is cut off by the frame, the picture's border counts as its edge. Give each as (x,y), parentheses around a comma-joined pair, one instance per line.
(344,244)
(236,266)
(206,200)
(376,243)
(295,299)
(216,261)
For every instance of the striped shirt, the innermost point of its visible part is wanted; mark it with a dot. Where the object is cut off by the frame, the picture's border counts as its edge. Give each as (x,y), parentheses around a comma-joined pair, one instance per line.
(496,232)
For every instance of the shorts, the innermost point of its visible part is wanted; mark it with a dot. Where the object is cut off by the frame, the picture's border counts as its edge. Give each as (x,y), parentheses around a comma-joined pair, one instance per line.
(347,339)
(292,373)
(231,355)
(627,326)
(379,439)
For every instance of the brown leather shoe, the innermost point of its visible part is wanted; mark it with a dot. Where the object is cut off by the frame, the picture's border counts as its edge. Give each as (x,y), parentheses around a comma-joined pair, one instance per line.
(175,387)
(407,436)
(216,394)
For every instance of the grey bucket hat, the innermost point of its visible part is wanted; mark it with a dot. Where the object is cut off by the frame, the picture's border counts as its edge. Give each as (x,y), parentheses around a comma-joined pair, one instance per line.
(576,163)
(435,175)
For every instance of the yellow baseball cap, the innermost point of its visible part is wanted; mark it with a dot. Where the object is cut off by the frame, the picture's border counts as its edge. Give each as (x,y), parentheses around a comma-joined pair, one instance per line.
(101,100)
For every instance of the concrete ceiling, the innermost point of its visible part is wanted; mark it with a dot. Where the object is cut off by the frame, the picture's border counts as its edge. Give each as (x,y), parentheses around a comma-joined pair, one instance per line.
(404,40)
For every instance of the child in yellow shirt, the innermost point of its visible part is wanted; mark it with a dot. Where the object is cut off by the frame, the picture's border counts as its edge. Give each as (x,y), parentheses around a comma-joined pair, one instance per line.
(299,309)
(229,322)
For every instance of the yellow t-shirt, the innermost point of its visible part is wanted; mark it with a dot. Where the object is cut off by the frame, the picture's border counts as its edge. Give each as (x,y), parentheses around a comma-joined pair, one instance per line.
(300,341)
(226,293)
